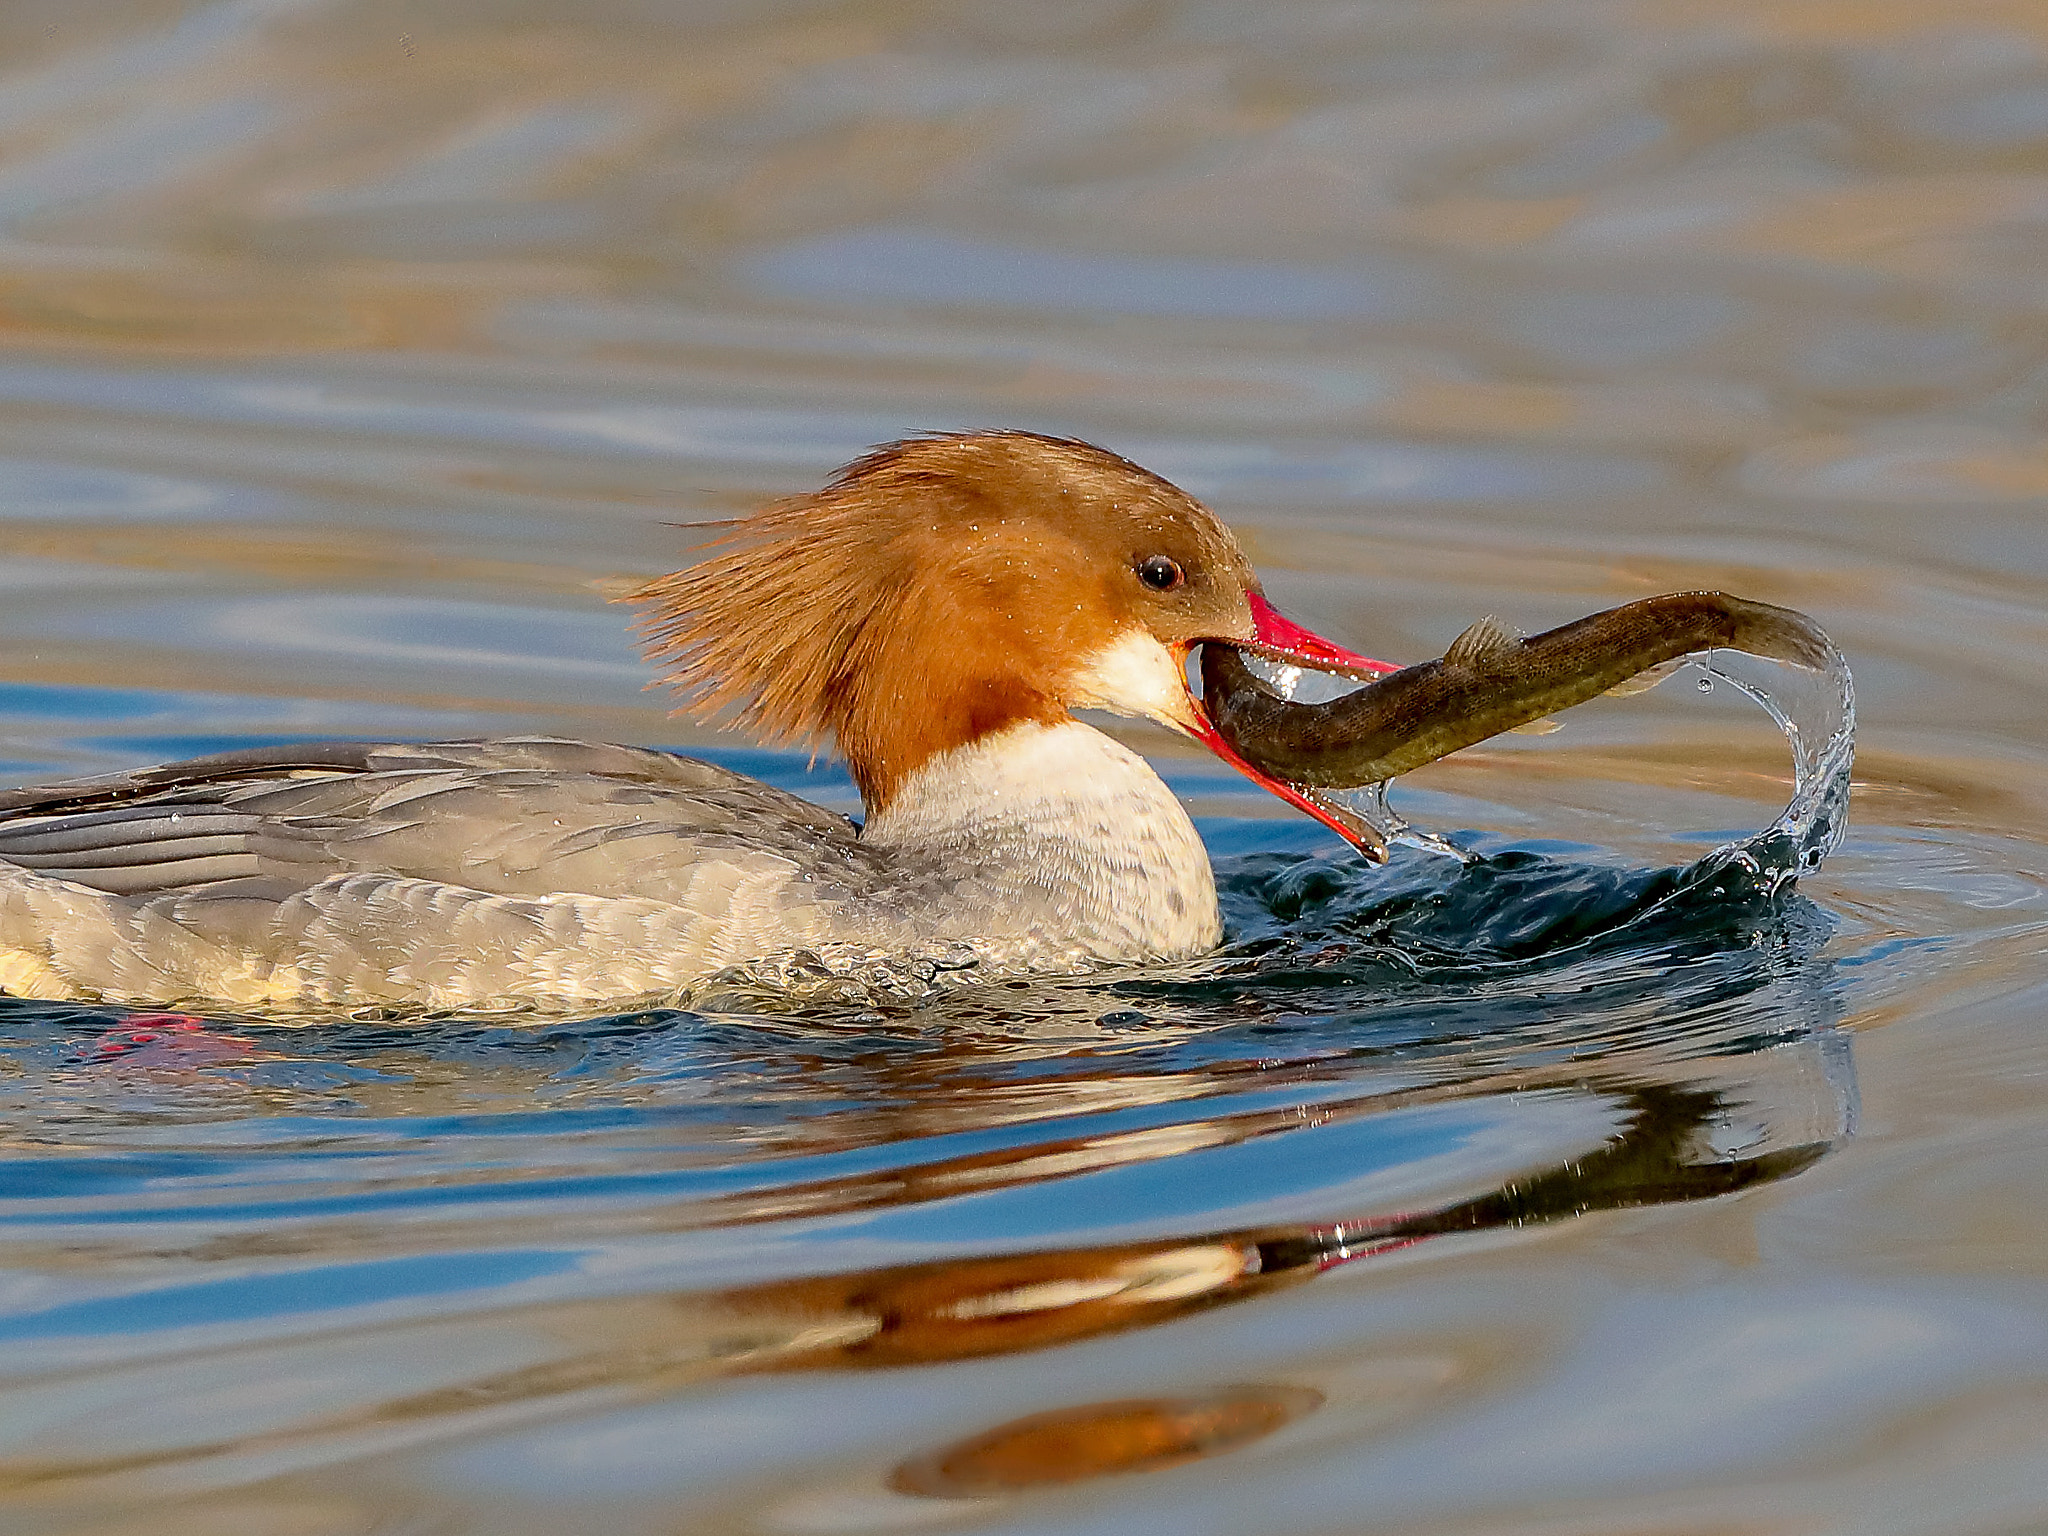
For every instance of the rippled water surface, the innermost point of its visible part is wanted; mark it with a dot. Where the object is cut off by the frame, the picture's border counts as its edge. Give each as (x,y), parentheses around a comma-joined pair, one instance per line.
(354,352)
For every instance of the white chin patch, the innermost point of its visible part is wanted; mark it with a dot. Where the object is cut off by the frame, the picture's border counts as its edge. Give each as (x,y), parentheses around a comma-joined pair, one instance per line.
(1134,675)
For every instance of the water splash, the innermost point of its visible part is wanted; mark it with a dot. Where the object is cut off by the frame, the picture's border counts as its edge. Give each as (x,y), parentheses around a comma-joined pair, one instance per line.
(1815,708)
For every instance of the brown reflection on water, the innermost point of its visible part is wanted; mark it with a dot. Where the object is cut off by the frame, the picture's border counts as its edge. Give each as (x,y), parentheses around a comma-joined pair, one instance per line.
(973,1307)
(1102,1440)
(635,1348)
(215,312)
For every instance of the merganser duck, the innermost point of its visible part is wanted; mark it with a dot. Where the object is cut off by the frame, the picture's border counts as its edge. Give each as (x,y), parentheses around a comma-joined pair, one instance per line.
(936,612)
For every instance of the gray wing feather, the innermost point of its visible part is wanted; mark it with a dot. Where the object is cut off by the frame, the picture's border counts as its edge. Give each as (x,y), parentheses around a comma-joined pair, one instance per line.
(533,816)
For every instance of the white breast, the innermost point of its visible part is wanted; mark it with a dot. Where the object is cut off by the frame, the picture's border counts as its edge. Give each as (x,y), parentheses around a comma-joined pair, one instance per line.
(1061,834)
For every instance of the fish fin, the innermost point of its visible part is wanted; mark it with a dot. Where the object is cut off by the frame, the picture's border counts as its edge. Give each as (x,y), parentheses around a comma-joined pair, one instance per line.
(1541,727)
(1484,640)
(1643,682)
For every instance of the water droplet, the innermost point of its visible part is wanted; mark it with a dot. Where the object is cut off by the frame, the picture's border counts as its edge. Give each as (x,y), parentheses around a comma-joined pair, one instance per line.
(1706,685)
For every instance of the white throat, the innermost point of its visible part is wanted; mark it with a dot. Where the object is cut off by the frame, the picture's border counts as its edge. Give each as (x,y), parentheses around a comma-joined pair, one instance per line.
(1070,833)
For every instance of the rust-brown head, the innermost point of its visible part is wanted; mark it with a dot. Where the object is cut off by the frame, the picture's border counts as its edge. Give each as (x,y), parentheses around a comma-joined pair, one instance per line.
(945,588)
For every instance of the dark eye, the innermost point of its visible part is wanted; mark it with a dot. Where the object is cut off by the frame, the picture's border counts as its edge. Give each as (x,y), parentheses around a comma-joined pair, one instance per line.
(1161,574)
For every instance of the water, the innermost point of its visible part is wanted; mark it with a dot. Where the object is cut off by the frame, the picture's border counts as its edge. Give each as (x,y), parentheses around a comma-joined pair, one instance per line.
(356,353)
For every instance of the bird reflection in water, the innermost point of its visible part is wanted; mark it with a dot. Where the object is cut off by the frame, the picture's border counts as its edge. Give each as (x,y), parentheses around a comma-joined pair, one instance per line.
(962,1309)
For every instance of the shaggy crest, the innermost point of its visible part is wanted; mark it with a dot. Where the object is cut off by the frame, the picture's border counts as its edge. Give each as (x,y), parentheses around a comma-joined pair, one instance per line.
(862,612)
